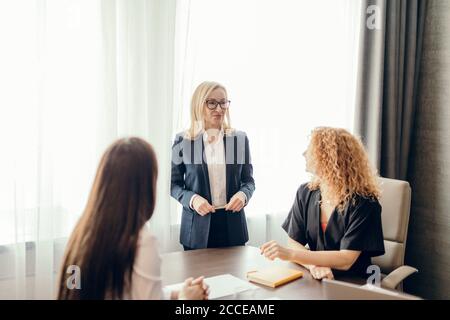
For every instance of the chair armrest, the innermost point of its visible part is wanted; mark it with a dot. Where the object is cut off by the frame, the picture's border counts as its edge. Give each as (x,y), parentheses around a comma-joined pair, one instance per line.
(393,279)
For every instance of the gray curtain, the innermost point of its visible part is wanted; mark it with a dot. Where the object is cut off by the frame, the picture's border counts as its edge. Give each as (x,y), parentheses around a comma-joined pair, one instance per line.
(403,116)
(388,68)
(429,170)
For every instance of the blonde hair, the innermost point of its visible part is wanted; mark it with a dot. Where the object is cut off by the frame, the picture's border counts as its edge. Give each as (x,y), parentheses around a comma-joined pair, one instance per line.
(199,97)
(341,162)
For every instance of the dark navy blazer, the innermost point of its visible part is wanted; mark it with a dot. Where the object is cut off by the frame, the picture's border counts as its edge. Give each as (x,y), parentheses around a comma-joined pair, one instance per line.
(190,176)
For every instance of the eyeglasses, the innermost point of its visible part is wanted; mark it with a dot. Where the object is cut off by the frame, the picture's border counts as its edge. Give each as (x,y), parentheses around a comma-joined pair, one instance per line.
(212,104)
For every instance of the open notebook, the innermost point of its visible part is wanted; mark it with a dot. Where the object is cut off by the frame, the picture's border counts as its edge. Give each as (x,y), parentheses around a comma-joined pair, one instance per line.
(274,276)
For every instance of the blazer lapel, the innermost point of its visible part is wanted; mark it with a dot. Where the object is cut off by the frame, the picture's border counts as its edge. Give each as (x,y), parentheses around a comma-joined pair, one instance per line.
(228,166)
(205,171)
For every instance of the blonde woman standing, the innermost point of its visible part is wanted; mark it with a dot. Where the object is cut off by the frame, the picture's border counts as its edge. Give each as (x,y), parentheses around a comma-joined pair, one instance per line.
(212,174)
(337,214)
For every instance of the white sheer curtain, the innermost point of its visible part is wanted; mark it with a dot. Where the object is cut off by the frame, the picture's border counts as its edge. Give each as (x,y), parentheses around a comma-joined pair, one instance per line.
(288,67)
(75,76)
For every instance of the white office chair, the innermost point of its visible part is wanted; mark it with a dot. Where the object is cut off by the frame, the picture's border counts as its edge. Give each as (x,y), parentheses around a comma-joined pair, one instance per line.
(395,202)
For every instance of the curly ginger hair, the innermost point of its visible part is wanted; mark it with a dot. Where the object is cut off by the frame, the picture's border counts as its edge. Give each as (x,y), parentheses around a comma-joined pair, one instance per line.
(341,162)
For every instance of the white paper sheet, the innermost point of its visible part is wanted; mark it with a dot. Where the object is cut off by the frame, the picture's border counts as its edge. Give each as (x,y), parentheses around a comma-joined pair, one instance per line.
(221,286)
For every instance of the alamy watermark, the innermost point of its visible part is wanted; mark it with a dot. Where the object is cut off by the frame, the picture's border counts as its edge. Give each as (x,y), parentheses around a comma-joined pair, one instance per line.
(375,275)
(192,151)
(74,280)
(373,21)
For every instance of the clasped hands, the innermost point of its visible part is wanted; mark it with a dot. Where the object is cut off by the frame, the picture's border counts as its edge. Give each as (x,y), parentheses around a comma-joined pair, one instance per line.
(272,250)
(193,289)
(202,206)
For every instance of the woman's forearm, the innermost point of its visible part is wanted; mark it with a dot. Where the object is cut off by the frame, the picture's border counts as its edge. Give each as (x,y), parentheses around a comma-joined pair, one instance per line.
(340,260)
(292,244)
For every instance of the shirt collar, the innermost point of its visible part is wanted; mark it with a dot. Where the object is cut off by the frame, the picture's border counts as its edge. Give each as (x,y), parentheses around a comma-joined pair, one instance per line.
(206,136)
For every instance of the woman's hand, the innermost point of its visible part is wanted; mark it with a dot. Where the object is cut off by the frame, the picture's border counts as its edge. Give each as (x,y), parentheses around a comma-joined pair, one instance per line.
(194,290)
(199,281)
(237,202)
(320,273)
(272,250)
(202,206)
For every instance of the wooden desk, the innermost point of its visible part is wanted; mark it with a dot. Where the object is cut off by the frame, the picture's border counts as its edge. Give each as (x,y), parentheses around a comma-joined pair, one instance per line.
(237,261)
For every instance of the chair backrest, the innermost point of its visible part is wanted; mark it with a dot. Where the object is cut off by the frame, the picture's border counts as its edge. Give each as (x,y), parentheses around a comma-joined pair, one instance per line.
(395,202)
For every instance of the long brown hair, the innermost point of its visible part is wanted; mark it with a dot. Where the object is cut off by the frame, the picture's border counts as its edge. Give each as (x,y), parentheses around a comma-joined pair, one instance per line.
(103,243)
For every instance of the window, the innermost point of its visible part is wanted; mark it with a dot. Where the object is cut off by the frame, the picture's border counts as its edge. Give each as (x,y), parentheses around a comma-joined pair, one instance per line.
(50,96)
(287,66)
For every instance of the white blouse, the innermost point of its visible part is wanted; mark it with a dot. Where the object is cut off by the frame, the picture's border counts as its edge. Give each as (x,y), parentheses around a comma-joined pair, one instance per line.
(215,159)
(146,282)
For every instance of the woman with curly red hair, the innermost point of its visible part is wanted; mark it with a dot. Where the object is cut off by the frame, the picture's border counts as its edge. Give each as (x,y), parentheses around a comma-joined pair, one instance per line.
(337,214)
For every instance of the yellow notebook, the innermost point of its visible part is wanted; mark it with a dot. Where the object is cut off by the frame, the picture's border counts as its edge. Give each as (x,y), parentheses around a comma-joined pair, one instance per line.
(274,276)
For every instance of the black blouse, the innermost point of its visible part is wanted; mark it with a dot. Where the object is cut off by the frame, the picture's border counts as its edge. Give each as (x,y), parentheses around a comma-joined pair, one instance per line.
(357,228)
